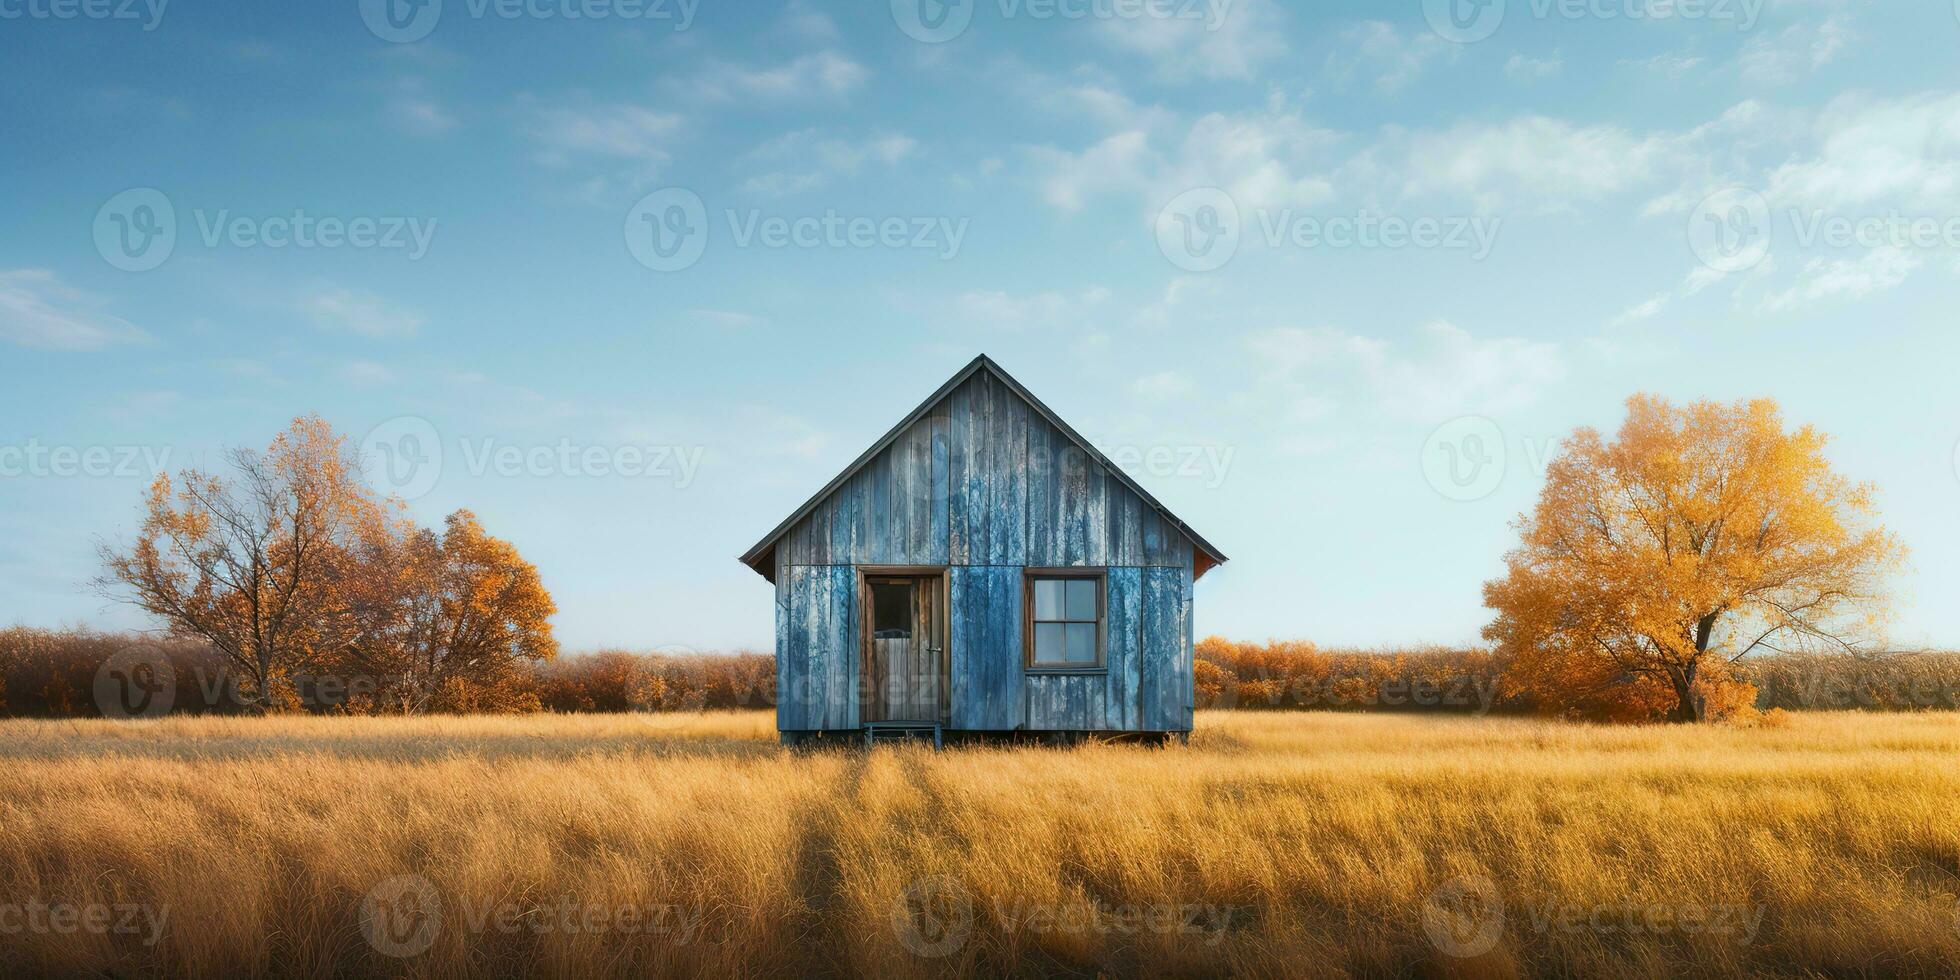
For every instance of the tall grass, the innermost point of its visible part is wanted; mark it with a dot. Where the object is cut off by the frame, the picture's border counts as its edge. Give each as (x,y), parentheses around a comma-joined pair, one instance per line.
(1274,844)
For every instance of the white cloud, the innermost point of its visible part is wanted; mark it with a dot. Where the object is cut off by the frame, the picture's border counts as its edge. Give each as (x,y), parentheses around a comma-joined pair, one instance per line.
(1247,36)
(367,374)
(1535,162)
(1878,271)
(359,312)
(1163,385)
(412,109)
(37,311)
(1871,150)
(800,20)
(1644,311)
(1794,52)
(1049,309)
(816,158)
(1376,51)
(618,130)
(1671,65)
(729,319)
(823,74)
(1116,164)
(1523,69)
(1447,372)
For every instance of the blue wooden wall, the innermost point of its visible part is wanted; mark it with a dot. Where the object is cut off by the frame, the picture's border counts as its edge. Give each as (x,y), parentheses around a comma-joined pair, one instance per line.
(983,484)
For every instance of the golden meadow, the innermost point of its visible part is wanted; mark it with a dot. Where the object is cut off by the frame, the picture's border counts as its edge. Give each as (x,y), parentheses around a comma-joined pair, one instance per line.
(1275,843)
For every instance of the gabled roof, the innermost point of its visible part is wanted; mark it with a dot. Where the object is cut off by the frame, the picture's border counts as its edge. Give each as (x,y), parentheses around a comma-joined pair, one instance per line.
(758,557)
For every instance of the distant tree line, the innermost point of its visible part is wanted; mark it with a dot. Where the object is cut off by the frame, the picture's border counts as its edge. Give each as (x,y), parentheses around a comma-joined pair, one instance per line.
(62,674)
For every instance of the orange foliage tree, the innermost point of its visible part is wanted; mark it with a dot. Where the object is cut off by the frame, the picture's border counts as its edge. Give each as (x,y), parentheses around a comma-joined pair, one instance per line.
(254,562)
(295,570)
(468,613)
(1653,563)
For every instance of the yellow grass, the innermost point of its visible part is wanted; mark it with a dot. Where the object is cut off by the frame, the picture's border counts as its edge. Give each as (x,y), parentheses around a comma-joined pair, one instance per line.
(1274,844)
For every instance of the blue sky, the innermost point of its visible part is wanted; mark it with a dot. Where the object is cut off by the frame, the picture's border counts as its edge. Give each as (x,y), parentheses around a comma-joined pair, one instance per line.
(1283,260)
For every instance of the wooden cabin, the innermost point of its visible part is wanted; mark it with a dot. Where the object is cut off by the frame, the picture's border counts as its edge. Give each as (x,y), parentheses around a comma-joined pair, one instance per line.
(982,569)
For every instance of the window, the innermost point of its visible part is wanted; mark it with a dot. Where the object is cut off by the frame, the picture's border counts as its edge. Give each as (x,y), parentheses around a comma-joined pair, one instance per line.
(891,610)
(1065,621)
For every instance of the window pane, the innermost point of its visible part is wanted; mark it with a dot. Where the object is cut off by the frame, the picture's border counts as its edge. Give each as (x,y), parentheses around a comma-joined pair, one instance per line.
(1082,600)
(891,610)
(1047,598)
(1048,644)
(1081,643)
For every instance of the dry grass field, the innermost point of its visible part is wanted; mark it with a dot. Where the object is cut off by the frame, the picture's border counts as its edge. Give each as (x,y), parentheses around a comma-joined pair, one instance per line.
(1274,844)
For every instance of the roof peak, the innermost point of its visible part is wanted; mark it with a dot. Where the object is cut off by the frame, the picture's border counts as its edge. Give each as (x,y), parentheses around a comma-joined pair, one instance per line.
(980,361)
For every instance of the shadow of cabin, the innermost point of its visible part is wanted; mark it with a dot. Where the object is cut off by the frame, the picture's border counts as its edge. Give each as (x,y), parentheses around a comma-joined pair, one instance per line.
(982,570)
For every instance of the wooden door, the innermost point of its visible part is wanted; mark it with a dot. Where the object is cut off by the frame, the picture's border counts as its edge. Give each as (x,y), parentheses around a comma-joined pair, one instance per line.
(904,649)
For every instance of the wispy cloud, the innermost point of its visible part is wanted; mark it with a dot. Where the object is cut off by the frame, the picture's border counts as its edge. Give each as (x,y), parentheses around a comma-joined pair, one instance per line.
(1375,52)
(824,74)
(38,311)
(359,312)
(1824,280)
(1248,36)
(806,159)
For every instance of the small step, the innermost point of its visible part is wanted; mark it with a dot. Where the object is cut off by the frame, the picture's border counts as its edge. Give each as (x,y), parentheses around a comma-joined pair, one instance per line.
(903,731)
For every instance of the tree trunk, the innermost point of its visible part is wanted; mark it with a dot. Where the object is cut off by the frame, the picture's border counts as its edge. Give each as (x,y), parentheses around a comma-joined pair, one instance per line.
(1688,705)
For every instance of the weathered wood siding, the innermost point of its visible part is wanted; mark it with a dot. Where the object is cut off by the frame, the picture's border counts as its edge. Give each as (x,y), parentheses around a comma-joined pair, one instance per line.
(983,484)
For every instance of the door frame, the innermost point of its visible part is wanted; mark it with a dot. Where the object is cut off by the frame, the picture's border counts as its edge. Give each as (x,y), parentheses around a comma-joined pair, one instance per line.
(940,584)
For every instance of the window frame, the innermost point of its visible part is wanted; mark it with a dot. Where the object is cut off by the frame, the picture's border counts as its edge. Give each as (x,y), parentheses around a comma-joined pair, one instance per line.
(1029,576)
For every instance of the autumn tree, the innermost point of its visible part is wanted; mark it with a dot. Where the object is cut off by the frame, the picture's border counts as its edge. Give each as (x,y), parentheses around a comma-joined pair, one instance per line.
(255,561)
(467,615)
(1701,534)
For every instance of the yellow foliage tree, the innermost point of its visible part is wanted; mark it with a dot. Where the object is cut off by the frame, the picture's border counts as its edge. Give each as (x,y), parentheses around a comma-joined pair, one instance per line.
(1700,534)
